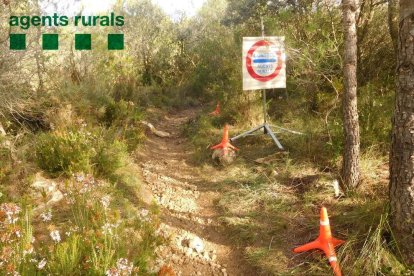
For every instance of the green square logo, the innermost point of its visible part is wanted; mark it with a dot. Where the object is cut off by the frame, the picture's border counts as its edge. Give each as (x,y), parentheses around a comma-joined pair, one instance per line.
(17,42)
(50,42)
(83,42)
(115,41)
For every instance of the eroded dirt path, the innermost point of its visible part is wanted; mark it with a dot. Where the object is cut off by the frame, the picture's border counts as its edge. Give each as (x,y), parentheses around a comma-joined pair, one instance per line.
(198,243)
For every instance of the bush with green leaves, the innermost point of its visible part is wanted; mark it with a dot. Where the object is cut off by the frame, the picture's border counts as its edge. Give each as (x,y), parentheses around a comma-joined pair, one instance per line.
(65,151)
(111,157)
(90,149)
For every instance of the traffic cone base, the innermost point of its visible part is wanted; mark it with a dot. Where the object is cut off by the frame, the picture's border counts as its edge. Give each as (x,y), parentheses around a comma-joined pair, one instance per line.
(225,143)
(217,111)
(324,242)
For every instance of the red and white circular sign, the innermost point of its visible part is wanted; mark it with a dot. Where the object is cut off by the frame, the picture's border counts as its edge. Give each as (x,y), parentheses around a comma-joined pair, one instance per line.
(264,61)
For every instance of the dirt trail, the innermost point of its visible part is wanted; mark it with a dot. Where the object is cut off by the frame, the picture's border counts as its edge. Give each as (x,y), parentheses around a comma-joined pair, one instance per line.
(198,244)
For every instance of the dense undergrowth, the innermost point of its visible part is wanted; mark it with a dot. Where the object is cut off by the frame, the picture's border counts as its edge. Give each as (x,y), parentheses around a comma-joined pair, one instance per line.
(86,143)
(271,206)
(75,116)
(83,236)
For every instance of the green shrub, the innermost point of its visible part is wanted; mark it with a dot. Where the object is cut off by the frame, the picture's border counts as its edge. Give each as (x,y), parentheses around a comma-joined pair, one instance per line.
(112,112)
(376,102)
(80,148)
(65,151)
(66,259)
(111,157)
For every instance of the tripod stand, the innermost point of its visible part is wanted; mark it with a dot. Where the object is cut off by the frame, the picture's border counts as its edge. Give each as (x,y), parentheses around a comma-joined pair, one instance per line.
(267,128)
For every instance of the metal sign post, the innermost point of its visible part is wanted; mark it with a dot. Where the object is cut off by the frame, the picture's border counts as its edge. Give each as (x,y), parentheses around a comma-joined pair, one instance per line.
(267,128)
(269,73)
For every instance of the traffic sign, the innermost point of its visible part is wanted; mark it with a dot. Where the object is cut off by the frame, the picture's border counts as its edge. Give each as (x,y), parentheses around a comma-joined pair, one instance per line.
(264,64)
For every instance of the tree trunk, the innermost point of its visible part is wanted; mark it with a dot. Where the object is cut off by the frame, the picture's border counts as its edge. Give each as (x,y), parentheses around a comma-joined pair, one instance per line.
(39,68)
(350,166)
(402,141)
(392,22)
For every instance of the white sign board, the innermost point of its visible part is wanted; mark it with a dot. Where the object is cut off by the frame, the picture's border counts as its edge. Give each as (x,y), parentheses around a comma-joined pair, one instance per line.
(264,65)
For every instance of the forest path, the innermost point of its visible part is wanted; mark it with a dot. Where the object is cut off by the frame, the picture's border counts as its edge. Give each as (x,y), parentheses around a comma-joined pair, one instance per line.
(198,243)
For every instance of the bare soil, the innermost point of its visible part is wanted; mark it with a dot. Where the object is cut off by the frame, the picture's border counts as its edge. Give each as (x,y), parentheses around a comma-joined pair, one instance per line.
(198,243)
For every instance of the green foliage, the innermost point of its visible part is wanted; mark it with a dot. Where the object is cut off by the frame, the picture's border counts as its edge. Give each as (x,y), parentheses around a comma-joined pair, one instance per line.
(90,239)
(65,151)
(154,60)
(375,256)
(76,145)
(124,88)
(200,132)
(246,11)
(66,259)
(111,157)
(215,74)
(112,111)
(17,238)
(376,104)
(81,149)
(261,203)
(176,64)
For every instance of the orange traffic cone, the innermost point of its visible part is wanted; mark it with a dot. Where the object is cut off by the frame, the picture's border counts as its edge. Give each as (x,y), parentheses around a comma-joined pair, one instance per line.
(225,143)
(325,242)
(217,111)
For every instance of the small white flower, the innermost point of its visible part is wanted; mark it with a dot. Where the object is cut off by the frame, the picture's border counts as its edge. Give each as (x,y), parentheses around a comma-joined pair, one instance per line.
(105,201)
(29,251)
(74,228)
(71,201)
(124,267)
(55,235)
(112,272)
(80,177)
(144,212)
(42,264)
(107,228)
(143,215)
(46,216)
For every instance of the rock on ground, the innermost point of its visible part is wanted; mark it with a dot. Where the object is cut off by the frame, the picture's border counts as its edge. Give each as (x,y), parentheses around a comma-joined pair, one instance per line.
(48,187)
(219,157)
